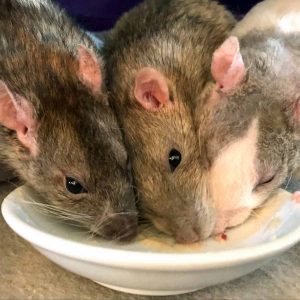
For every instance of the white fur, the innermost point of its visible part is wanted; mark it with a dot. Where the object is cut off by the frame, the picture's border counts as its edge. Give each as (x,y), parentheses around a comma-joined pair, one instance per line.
(232,179)
(283,14)
(238,161)
(290,22)
(36,3)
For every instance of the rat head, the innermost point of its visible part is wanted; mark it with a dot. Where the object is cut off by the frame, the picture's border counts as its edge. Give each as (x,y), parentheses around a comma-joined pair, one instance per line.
(64,140)
(249,127)
(160,133)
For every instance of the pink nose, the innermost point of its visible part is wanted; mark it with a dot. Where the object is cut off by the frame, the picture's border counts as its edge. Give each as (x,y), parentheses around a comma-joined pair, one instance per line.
(219,228)
(187,236)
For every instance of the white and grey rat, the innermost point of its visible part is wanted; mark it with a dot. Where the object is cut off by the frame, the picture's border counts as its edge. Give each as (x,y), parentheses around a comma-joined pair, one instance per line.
(56,127)
(250,128)
(158,61)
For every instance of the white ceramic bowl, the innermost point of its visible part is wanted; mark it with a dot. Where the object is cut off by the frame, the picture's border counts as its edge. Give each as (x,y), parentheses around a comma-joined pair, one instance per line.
(154,265)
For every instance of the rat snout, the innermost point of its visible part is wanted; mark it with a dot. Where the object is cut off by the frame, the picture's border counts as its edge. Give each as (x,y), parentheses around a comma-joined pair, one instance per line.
(192,232)
(187,235)
(185,230)
(121,227)
(230,218)
(120,219)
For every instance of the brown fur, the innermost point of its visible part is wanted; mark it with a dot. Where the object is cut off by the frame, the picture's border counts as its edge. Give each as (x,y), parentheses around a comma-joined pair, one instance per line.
(176,38)
(78,135)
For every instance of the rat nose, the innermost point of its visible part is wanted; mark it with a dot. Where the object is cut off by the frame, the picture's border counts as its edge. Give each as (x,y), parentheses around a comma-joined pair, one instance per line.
(122,228)
(183,233)
(187,236)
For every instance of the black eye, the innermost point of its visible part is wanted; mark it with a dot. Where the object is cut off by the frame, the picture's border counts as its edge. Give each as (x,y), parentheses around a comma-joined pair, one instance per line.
(74,186)
(174,159)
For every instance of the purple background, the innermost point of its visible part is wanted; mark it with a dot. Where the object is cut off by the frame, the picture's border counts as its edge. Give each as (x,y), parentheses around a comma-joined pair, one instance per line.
(98,15)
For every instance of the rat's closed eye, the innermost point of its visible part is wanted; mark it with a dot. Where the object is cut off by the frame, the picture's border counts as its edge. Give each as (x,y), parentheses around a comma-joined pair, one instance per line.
(264,181)
(74,187)
(174,159)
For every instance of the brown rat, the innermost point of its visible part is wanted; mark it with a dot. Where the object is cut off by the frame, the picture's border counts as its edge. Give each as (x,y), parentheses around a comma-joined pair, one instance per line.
(158,61)
(56,127)
(249,129)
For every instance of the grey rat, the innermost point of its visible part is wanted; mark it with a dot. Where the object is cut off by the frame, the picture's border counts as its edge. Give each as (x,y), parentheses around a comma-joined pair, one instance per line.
(56,127)
(158,61)
(249,128)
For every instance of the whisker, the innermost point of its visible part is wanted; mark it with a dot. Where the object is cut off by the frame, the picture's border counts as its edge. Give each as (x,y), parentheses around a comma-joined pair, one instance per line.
(122,233)
(91,235)
(62,214)
(56,208)
(103,218)
(11,183)
(289,180)
(123,213)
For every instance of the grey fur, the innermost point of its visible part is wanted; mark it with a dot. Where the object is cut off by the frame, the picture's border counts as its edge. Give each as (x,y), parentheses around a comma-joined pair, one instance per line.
(78,134)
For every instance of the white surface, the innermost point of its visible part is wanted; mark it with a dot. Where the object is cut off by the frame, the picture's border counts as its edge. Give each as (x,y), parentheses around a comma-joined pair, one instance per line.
(149,265)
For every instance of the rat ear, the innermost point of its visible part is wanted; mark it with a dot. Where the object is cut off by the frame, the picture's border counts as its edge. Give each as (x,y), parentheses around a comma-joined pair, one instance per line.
(89,71)
(151,89)
(16,113)
(227,66)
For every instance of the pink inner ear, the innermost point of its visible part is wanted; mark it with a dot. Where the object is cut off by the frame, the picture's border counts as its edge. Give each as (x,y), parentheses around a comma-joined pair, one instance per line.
(16,113)
(7,110)
(89,69)
(151,89)
(28,127)
(227,67)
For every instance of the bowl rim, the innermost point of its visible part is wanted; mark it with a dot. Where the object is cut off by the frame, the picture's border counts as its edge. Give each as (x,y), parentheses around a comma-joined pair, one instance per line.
(131,259)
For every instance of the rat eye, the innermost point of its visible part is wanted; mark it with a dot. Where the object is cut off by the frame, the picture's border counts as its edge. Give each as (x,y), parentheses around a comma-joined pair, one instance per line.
(265,181)
(74,186)
(174,159)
